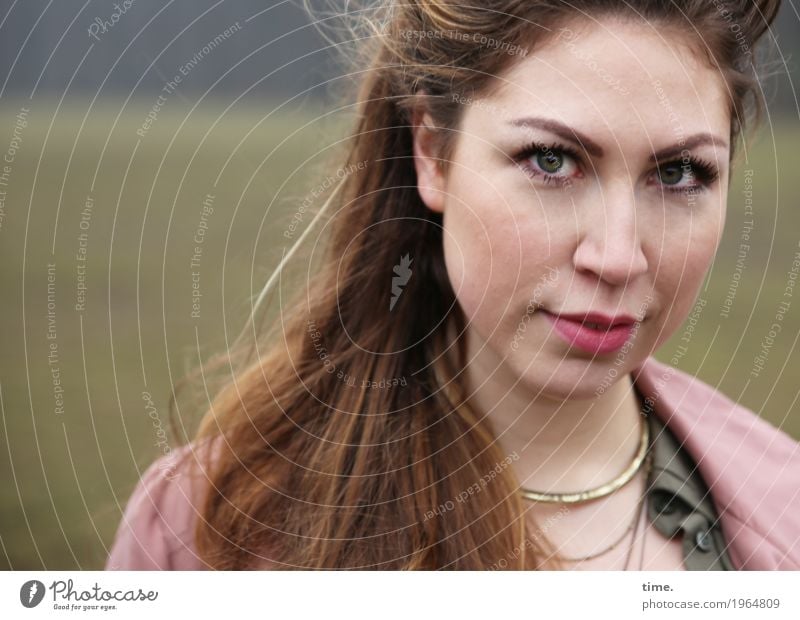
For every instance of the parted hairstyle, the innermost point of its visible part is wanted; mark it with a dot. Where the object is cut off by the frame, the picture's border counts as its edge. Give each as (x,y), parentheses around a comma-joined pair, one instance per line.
(316,463)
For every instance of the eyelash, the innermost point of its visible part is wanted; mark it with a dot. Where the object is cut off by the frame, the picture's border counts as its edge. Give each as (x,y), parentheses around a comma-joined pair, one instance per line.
(534,148)
(704,171)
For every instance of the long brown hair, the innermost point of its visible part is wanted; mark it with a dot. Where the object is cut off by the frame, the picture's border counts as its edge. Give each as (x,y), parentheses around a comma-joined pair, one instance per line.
(346,441)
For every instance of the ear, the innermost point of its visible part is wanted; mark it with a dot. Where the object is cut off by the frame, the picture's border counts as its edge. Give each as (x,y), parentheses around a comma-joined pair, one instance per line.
(430,178)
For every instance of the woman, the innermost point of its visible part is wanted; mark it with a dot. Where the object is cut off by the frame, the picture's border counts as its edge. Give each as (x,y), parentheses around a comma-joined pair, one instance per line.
(467,382)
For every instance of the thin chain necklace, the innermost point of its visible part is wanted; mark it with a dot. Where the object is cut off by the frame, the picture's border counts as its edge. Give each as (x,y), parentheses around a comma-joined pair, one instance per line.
(633,526)
(639,510)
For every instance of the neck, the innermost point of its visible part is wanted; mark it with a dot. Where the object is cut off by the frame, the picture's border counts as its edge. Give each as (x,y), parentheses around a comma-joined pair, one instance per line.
(563,445)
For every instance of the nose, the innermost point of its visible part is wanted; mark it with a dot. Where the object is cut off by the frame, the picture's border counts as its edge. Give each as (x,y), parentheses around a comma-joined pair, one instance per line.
(609,240)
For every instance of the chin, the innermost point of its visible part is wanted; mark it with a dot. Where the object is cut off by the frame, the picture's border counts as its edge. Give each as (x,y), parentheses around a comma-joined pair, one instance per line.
(576,378)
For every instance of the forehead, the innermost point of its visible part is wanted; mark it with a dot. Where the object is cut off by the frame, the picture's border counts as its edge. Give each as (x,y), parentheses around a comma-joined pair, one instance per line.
(618,80)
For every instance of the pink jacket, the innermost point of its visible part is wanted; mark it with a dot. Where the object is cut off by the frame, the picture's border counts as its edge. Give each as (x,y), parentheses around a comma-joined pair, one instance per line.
(751,468)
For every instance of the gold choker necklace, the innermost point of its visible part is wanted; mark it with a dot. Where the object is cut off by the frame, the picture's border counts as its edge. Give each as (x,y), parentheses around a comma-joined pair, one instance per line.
(603,490)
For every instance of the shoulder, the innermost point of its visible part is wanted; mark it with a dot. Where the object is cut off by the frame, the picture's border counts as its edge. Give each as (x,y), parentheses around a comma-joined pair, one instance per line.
(689,404)
(750,466)
(157,527)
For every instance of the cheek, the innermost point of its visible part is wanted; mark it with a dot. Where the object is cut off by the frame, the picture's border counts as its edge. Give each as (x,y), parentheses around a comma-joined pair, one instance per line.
(685,261)
(483,248)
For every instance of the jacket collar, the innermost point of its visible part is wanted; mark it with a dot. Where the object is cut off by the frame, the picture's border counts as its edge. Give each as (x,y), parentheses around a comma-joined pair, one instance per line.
(751,468)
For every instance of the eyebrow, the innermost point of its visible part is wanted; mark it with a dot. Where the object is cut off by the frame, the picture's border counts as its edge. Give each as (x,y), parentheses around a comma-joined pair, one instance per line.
(688,144)
(590,146)
(562,131)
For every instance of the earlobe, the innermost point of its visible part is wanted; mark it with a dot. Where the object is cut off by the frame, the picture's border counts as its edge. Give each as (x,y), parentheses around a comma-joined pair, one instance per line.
(430,178)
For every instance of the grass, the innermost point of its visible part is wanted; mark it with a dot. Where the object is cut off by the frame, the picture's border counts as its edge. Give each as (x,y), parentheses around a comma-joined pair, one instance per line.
(66,476)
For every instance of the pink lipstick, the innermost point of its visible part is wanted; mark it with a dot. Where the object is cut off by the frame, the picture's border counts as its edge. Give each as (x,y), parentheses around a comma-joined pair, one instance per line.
(592,331)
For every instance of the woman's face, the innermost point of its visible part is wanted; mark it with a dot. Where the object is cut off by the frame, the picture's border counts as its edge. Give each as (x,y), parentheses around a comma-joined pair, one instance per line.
(594,179)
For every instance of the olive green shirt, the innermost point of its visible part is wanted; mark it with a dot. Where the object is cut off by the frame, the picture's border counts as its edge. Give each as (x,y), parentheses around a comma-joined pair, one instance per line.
(679,503)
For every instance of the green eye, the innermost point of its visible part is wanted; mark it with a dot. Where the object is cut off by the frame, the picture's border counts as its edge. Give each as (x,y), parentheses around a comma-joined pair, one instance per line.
(671,174)
(549,161)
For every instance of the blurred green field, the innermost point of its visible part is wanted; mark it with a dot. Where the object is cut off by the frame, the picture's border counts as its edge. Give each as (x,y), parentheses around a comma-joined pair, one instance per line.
(65,476)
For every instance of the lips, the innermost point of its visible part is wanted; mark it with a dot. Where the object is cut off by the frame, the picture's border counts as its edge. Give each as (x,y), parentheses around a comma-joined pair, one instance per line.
(593,332)
(598,319)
